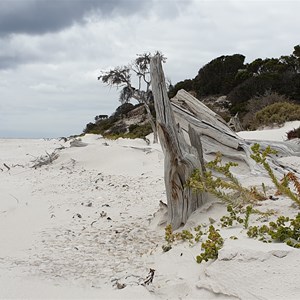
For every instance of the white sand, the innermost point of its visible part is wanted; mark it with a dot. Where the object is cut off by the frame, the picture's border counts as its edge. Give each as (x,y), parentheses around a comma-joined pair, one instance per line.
(74,228)
(271,134)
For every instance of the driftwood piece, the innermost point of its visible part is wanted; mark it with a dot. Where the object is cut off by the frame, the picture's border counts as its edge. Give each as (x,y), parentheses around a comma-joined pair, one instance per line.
(216,136)
(191,133)
(77,143)
(181,158)
(45,160)
(235,123)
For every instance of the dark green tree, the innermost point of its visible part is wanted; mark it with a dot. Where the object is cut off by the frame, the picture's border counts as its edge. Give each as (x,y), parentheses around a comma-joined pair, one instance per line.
(219,76)
(187,84)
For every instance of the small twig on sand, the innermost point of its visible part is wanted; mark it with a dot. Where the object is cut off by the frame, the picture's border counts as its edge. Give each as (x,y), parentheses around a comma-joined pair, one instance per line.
(149,278)
(15,198)
(6,166)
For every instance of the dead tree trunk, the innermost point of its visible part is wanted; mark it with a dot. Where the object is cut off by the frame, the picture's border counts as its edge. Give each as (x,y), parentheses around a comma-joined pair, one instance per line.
(181,123)
(181,159)
(152,123)
(216,136)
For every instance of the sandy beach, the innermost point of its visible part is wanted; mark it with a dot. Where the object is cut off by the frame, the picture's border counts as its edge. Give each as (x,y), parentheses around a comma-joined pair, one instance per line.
(87,226)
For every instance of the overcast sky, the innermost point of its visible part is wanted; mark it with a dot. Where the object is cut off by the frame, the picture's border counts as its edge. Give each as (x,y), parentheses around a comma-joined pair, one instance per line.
(51,52)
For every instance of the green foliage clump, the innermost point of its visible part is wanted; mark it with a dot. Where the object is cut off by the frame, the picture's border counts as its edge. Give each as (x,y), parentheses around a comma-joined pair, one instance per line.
(184,235)
(235,216)
(211,246)
(283,229)
(227,221)
(277,113)
(257,103)
(207,182)
(261,158)
(242,216)
(138,131)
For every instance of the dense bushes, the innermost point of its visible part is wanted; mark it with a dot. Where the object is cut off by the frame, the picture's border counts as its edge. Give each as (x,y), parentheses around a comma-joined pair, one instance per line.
(277,113)
(256,104)
(229,75)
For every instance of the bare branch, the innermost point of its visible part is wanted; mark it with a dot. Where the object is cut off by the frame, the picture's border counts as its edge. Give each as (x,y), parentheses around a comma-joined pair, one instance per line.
(45,160)
(6,166)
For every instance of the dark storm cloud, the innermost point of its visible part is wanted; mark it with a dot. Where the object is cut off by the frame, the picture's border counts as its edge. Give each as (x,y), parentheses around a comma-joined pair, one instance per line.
(42,16)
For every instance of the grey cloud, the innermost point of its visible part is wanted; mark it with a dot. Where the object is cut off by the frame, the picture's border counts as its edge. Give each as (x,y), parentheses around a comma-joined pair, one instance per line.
(8,61)
(42,16)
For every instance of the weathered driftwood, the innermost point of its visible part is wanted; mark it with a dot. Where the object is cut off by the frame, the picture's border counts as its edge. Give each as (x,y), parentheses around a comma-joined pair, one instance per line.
(181,159)
(191,133)
(216,136)
(77,143)
(235,123)
(45,160)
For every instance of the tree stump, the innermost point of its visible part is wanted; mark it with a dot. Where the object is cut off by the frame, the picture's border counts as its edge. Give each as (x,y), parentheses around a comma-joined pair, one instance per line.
(190,133)
(180,158)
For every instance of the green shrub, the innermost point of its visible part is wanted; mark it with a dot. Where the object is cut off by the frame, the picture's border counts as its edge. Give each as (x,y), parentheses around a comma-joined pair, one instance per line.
(211,246)
(258,103)
(138,131)
(219,185)
(277,113)
(261,158)
(283,229)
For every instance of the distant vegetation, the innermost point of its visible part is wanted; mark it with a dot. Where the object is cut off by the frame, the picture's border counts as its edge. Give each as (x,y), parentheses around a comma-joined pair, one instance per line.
(263,92)
(246,86)
(119,124)
(277,113)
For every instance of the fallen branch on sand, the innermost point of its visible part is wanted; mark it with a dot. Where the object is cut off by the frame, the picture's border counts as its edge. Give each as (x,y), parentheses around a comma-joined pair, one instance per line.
(45,160)
(149,278)
(6,166)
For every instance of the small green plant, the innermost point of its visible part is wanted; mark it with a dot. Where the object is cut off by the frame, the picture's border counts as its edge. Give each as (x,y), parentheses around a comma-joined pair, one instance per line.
(249,210)
(199,233)
(261,158)
(169,236)
(235,216)
(283,229)
(211,246)
(208,182)
(259,232)
(184,235)
(264,189)
(227,221)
